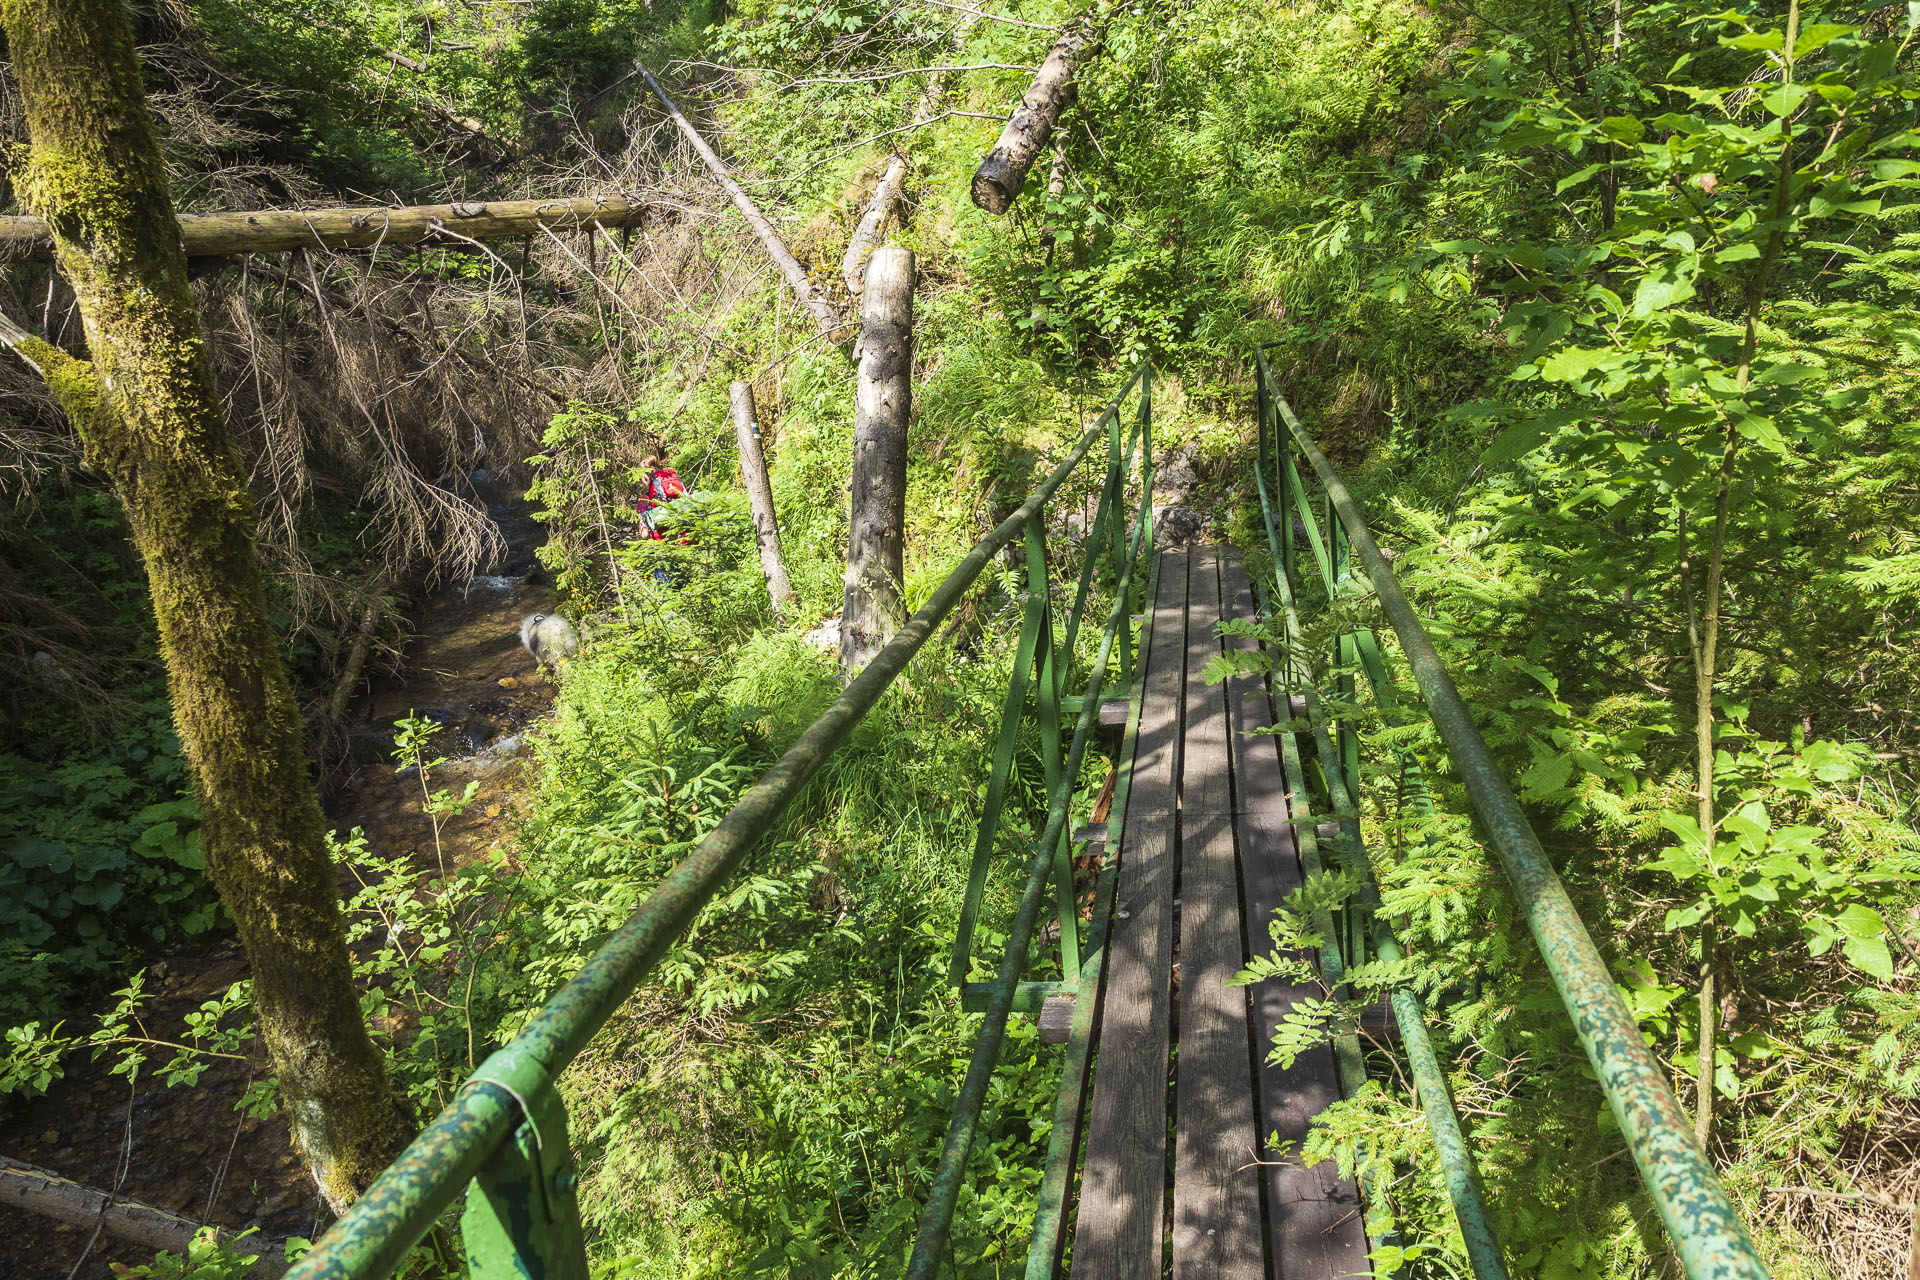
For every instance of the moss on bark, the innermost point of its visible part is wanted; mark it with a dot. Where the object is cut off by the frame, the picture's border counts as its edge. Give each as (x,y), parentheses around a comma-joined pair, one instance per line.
(148,411)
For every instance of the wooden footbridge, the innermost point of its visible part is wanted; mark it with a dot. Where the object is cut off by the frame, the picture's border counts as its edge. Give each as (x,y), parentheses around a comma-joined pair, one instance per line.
(1206,855)
(1174,1148)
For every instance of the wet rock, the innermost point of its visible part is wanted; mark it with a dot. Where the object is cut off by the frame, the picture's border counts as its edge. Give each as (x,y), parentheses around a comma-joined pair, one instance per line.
(499,756)
(1178,526)
(370,748)
(474,734)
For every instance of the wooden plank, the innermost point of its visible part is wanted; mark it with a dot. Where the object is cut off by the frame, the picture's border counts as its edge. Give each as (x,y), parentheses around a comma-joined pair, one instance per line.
(1216,1182)
(1315,1226)
(1122,1191)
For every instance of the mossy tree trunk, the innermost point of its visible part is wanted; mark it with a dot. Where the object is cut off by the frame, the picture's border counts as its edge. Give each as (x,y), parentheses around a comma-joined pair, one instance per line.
(148,413)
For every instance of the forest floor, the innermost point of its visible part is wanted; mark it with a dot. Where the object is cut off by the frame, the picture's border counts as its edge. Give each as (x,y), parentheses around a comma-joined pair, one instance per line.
(191,1150)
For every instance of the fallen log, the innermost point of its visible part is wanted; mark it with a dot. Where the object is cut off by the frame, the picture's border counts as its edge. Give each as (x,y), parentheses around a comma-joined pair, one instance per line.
(997,181)
(362,649)
(219,235)
(41,1191)
(825,317)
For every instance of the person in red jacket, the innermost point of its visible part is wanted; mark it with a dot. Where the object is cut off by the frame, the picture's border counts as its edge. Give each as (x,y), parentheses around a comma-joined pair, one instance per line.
(661,488)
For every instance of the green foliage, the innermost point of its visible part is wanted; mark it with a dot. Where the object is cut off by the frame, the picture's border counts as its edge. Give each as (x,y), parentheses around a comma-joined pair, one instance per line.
(219,1028)
(209,1258)
(99,857)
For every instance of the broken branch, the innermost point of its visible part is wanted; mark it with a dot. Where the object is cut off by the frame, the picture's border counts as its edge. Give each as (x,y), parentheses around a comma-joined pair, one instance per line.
(997,181)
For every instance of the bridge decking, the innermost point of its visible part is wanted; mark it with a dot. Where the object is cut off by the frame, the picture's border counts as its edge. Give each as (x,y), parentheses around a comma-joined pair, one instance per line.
(1206,853)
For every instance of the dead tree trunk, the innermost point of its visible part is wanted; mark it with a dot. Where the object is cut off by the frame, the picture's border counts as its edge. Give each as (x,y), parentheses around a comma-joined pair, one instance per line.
(362,649)
(825,318)
(25,238)
(883,398)
(866,235)
(148,413)
(753,473)
(997,181)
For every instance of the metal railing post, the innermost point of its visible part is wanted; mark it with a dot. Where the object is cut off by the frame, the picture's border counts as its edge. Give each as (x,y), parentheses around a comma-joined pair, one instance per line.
(522,1218)
(936,1220)
(1013,709)
(1050,677)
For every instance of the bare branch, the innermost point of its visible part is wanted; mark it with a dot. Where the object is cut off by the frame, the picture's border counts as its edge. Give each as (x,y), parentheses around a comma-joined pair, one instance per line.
(989,17)
(910,71)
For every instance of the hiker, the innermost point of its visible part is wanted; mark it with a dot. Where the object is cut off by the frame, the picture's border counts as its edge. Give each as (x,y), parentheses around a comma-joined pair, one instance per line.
(662,487)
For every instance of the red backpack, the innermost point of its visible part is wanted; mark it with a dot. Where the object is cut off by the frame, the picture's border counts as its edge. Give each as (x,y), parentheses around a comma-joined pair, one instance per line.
(666,486)
(663,486)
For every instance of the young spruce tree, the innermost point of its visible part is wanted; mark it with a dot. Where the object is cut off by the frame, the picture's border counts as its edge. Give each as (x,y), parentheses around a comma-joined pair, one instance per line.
(147,410)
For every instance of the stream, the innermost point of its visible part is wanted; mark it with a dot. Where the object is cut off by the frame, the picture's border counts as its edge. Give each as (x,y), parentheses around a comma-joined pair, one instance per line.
(190,1150)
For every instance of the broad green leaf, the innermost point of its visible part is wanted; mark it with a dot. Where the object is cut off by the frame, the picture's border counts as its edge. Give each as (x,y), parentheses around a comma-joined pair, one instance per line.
(1870,956)
(1829,761)
(1785,100)
(1681,864)
(1860,921)
(1625,129)
(1818,36)
(1571,363)
(1763,41)
(1669,286)
(1726,1081)
(1755,1044)
(1751,830)
(1575,179)
(1759,428)
(1687,829)
(1517,440)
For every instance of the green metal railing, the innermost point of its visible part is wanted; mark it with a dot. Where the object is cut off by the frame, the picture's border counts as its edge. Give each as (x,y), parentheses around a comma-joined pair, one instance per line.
(503,1140)
(1051,854)
(1707,1234)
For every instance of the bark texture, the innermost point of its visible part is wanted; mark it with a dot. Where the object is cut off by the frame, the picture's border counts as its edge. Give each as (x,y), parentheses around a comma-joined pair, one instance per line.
(997,181)
(883,399)
(825,317)
(866,235)
(219,235)
(148,414)
(753,473)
